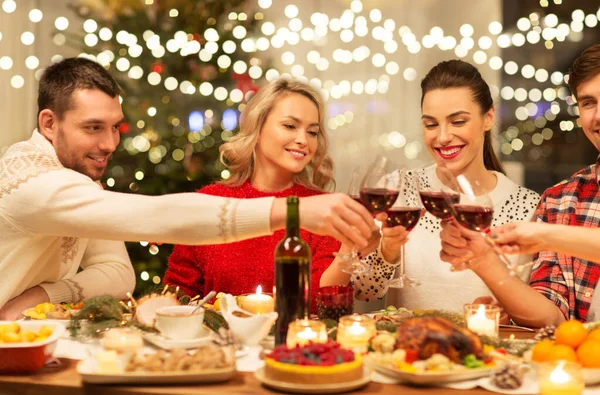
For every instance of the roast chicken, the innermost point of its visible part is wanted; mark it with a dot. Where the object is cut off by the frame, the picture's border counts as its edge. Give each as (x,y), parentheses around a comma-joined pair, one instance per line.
(434,335)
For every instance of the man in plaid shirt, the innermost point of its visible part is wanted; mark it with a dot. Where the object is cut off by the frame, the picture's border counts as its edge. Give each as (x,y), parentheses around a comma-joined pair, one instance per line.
(565,280)
(561,286)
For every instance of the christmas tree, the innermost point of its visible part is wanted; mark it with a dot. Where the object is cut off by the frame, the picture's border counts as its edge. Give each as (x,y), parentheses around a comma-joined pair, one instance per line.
(187,68)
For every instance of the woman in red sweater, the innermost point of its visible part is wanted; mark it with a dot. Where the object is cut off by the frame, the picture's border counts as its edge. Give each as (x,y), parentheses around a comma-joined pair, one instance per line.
(280,150)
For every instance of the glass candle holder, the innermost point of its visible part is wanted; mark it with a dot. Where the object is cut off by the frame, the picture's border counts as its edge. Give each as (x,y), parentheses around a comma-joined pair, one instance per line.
(354,332)
(300,332)
(560,378)
(335,301)
(123,340)
(483,319)
(257,303)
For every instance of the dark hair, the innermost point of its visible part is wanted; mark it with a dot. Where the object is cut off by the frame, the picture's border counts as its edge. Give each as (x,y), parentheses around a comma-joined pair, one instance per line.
(61,79)
(459,74)
(585,67)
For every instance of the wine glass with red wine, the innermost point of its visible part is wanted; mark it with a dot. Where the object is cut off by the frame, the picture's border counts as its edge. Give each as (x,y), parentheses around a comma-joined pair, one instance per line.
(406,212)
(475,211)
(437,201)
(351,262)
(380,186)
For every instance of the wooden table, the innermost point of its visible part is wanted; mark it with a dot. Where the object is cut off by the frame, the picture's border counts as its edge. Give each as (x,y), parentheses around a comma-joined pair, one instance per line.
(65,380)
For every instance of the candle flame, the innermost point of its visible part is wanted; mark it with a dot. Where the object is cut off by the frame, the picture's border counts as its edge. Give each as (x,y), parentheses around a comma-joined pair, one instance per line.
(559,375)
(259,290)
(512,336)
(480,311)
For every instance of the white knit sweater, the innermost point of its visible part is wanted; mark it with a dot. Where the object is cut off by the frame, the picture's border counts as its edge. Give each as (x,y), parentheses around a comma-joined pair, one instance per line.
(441,288)
(54,221)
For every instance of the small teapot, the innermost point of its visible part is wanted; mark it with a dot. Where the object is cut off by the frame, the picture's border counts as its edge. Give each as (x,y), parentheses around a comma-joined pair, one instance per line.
(248,328)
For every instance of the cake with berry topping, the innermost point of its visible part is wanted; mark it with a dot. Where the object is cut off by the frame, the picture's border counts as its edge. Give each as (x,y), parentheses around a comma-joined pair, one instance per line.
(313,363)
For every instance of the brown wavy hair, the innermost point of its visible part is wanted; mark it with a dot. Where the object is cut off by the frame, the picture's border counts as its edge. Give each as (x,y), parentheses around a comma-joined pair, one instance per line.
(585,67)
(238,154)
(459,74)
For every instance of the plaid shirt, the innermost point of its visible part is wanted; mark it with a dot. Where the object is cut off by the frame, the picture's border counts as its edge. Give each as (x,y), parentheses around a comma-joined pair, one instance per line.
(568,281)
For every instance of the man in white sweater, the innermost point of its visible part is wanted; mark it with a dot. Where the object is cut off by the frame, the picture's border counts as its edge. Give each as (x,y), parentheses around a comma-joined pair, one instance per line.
(56,219)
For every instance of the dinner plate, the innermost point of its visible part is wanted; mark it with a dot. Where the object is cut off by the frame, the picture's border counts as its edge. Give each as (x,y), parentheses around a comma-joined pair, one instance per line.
(86,369)
(168,344)
(432,378)
(296,388)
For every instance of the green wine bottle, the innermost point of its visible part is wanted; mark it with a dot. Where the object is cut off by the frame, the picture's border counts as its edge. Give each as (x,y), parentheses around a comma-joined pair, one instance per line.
(292,274)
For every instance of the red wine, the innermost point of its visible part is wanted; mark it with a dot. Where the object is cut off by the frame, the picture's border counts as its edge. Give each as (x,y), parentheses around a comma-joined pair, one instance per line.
(437,203)
(476,218)
(377,200)
(403,216)
(292,275)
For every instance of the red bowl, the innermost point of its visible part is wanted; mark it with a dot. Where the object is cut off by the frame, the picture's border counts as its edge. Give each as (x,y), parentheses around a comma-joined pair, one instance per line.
(24,358)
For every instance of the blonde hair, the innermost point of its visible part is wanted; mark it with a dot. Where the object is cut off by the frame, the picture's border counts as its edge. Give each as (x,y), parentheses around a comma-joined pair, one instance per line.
(238,154)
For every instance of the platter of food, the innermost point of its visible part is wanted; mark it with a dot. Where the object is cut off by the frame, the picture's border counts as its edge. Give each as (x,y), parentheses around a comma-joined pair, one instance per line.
(52,311)
(430,351)
(207,364)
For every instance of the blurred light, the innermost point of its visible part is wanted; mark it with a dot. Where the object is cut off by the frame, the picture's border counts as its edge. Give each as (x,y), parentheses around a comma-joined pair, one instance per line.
(518,39)
(528,71)
(144,275)
(517,144)
(32,62)
(557,78)
(479,57)
(541,75)
(288,58)
(153,78)
(523,24)
(255,72)
(485,42)
(27,38)
(105,34)
(6,63)
(230,119)
(9,6)
(507,93)
(224,61)
(239,32)
(591,20)
(495,28)
(136,72)
(35,15)
(409,74)
(578,15)
(378,60)
(61,23)
(533,37)
(196,121)
(291,11)
(503,41)
(466,30)
(17,81)
(392,68)
(211,34)
(495,63)
(375,15)
(90,26)
(535,95)
(90,39)
(520,94)
(265,3)
(551,20)
(220,93)
(152,111)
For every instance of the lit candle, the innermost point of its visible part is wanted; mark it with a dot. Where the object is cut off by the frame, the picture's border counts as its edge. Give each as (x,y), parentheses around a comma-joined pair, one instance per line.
(560,378)
(123,340)
(480,322)
(300,332)
(258,303)
(355,331)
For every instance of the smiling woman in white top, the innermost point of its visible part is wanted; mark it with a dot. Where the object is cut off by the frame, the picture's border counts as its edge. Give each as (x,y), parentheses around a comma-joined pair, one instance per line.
(458,115)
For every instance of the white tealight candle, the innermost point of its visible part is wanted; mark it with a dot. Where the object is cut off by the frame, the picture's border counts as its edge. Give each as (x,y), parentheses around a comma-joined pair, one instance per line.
(356,329)
(258,303)
(480,324)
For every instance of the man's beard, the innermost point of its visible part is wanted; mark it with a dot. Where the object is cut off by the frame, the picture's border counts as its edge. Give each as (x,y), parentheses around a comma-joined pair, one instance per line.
(69,160)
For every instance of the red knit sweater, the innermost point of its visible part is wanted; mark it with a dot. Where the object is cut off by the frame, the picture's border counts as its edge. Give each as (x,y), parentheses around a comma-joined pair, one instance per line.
(239,267)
